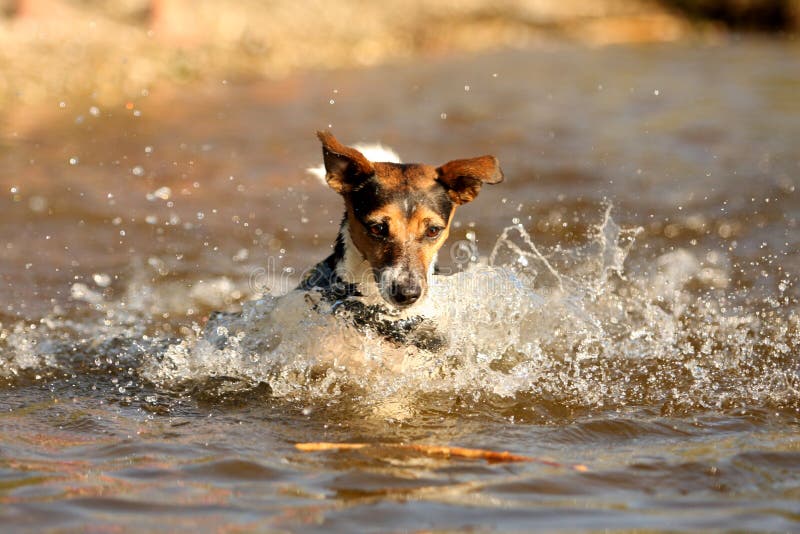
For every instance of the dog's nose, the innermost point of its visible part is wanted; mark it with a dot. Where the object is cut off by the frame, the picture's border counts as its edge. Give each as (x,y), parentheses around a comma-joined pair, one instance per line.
(406,294)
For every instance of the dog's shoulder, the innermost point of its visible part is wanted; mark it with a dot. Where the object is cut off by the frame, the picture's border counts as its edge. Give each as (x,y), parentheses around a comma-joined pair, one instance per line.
(324,279)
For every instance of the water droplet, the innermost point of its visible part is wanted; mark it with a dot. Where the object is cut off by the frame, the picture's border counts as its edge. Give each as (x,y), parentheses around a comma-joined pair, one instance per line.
(138,170)
(37,204)
(162,192)
(101,279)
(74,160)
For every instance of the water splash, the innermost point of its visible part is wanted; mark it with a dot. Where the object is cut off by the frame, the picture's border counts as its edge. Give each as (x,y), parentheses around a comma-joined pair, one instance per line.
(567,327)
(548,332)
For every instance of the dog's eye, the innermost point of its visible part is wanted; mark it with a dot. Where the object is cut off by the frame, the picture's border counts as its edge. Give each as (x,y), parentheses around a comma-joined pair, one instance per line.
(433,231)
(378,229)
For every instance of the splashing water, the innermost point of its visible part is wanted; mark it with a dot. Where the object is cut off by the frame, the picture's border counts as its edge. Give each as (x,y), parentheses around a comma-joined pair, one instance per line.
(562,331)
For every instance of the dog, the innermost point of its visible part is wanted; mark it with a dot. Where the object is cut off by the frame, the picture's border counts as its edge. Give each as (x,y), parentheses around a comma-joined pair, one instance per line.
(396,218)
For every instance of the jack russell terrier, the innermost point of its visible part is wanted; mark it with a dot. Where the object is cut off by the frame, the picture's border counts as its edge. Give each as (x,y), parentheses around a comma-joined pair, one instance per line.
(397,217)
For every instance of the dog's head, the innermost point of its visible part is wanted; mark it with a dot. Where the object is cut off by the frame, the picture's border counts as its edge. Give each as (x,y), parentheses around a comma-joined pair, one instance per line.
(399,215)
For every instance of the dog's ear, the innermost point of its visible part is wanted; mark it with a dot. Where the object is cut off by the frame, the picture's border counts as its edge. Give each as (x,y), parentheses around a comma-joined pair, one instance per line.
(463,177)
(345,167)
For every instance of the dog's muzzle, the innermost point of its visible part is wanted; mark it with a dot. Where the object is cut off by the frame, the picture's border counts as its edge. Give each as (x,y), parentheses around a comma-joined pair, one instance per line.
(400,289)
(405,294)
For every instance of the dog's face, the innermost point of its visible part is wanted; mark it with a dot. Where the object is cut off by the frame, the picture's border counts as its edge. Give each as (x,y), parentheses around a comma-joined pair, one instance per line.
(399,215)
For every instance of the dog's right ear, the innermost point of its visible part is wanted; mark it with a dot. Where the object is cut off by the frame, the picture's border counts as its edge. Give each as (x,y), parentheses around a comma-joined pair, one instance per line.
(345,167)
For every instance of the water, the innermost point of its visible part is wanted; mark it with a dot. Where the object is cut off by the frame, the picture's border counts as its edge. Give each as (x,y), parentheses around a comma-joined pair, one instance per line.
(626,300)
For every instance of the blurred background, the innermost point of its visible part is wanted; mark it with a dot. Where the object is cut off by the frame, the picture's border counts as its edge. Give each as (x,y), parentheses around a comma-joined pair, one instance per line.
(112,49)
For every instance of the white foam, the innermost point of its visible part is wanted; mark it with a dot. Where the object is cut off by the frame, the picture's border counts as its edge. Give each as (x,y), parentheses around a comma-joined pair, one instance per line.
(564,326)
(516,325)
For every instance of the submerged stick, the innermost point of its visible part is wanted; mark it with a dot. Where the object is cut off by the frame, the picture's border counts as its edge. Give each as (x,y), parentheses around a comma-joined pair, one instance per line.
(438,450)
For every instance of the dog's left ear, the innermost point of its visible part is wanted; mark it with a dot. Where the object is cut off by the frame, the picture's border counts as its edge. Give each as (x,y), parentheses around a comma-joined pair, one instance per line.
(463,177)
(345,167)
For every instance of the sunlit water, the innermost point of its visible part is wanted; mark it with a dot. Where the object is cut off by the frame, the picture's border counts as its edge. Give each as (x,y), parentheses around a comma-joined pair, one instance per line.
(627,300)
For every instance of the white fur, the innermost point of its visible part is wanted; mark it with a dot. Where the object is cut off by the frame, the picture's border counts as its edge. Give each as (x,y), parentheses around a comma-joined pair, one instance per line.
(371,151)
(387,277)
(355,269)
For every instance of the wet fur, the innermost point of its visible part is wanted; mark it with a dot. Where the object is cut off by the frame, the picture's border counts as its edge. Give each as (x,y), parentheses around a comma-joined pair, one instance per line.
(413,205)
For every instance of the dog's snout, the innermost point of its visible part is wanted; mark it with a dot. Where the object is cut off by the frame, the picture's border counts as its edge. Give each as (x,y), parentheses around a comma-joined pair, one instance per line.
(406,294)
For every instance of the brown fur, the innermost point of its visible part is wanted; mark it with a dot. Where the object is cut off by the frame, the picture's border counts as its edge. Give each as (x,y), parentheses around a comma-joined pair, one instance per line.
(406,240)
(341,161)
(464,177)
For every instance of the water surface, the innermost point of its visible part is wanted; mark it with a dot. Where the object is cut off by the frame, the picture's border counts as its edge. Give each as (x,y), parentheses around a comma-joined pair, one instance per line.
(635,308)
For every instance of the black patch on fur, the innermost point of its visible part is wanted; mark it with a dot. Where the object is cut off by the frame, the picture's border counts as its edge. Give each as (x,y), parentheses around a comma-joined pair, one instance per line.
(323,276)
(370,196)
(417,330)
(441,203)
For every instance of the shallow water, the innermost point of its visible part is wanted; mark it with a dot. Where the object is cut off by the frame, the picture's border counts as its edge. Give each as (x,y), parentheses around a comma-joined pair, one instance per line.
(626,300)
